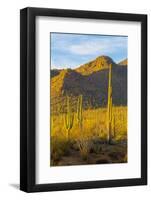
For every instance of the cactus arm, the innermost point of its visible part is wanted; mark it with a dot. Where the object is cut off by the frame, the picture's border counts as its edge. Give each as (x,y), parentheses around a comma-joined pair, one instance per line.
(79,111)
(69,118)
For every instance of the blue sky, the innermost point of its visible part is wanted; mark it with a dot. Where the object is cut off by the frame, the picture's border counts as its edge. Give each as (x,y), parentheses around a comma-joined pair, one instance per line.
(72,50)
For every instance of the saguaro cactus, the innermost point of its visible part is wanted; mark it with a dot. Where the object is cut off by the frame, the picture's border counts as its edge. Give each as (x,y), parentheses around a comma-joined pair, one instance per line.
(69,118)
(79,111)
(113,126)
(109,106)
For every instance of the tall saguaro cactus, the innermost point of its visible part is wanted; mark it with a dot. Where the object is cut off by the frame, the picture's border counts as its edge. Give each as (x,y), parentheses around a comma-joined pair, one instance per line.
(69,118)
(109,105)
(79,111)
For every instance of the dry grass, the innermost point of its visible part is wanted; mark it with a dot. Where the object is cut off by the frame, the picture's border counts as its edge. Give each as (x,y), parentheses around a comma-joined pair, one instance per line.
(94,124)
(94,128)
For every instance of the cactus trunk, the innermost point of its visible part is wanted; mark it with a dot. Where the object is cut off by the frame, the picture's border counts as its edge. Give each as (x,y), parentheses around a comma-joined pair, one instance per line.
(109,106)
(69,118)
(79,111)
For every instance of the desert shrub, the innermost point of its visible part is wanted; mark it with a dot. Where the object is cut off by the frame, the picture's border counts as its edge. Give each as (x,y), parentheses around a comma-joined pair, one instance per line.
(59,147)
(96,146)
(84,145)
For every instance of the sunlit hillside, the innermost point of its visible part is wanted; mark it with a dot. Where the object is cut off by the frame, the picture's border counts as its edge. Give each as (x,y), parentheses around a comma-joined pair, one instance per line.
(89,114)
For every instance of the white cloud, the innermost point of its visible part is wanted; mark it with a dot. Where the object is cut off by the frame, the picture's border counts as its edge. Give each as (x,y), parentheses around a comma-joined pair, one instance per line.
(93,47)
(86,48)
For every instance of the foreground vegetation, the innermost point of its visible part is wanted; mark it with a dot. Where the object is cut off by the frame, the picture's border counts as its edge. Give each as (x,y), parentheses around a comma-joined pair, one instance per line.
(90,136)
(82,137)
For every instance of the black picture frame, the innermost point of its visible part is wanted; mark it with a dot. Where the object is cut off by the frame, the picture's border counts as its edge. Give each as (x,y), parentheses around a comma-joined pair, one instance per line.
(28,99)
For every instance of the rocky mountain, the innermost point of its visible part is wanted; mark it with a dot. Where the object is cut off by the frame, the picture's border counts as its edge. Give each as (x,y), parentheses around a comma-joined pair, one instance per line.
(91,81)
(54,72)
(123,62)
(101,62)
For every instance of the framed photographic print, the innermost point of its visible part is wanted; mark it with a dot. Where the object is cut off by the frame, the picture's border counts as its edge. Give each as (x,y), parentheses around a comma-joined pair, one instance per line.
(83,99)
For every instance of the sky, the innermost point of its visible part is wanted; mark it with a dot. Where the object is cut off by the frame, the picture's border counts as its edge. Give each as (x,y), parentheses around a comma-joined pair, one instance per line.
(73,50)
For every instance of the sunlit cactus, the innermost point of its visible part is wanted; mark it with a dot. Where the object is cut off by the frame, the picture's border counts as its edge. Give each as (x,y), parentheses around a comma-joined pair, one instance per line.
(113,127)
(109,106)
(79,111)
(69,118)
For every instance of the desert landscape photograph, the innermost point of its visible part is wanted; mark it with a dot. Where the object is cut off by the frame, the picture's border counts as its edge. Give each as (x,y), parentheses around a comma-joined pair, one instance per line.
(88,99)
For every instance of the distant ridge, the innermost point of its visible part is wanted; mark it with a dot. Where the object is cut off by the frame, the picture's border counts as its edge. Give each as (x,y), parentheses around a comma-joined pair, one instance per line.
(101,62)
(123,62)
(91,81)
